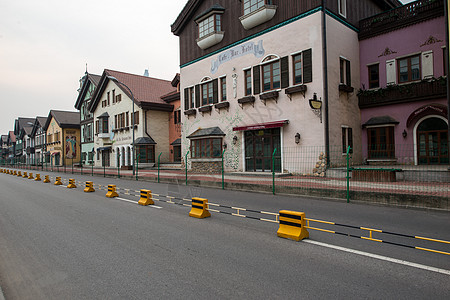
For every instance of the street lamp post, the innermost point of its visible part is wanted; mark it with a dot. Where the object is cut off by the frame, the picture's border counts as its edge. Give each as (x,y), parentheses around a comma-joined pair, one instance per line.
(132,116)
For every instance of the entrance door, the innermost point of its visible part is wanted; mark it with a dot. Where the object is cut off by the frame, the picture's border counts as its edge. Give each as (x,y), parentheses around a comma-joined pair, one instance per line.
(177,153)
(259,147)
(105,158)
(432,142)
(57,159)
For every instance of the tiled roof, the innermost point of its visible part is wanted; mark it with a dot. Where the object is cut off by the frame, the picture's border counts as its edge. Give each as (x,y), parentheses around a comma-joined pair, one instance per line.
(65,119)
(211,131)
(41,120)
(145,89)
(12,137)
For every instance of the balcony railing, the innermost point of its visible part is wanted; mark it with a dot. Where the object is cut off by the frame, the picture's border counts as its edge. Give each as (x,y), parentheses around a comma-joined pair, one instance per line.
(393,94)
(403,16)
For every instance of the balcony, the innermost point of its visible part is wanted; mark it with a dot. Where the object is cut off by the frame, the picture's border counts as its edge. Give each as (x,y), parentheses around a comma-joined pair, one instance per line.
(403,16)
(395,94)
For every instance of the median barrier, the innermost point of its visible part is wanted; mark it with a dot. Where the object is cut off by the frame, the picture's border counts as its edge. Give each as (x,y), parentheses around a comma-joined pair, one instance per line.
(30,176)
(199,208)
(146,198)
(14,173)
(71,184)
(38,177)
(25,175)
(292,225)
(46,179)
(19,174)
(89,187)
(112,191)
(58,181)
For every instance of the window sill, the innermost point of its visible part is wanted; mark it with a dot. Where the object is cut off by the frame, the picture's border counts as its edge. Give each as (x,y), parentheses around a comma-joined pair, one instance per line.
(189,112)
(259,16)
(346,88)
(270,95)
(210,40)
(206,108)
(246,99)
(221,105)
(103,135)
(296,89)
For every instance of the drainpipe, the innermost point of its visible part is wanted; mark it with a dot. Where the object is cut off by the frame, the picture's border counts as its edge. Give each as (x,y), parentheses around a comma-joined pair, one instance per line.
(325,81)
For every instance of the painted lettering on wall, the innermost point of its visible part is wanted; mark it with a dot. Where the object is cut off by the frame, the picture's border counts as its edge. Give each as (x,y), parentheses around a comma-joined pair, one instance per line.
(248,48)
(71,146)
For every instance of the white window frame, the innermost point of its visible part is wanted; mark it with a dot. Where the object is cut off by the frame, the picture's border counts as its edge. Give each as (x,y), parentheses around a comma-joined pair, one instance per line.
(342,8)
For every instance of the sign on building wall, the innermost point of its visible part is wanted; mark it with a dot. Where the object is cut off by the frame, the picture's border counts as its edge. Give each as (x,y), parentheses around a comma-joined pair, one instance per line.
(71,146)
(248,48)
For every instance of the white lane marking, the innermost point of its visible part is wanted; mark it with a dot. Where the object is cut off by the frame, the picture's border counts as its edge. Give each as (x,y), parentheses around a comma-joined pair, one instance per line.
(134,202)
(381,257)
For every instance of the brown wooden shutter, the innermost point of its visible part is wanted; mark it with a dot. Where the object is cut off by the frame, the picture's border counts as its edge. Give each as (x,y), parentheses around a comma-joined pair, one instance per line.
(215,91)
(256,80)
(186,98)
(284,72)
(307,66)
(348,79)
(197,95)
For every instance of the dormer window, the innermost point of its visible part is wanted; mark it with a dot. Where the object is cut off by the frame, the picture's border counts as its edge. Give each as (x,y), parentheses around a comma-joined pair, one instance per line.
(210,27)
(257,12)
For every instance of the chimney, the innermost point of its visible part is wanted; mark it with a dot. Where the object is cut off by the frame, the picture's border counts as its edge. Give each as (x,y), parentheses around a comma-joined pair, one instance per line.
(146,73)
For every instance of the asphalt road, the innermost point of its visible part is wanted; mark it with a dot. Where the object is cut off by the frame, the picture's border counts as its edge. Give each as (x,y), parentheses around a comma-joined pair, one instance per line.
(59,243)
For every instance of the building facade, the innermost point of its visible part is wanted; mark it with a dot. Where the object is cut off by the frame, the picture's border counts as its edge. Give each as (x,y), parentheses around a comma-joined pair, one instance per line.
(38,137)
(112,108)
(403,99)
(88,83)
(264,80)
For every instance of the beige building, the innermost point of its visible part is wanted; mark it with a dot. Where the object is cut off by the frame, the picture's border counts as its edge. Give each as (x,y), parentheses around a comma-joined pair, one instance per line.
(113,107)
(62,130)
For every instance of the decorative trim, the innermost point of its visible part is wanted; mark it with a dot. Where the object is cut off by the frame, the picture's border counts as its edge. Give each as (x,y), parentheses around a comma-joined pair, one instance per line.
(246,99)
(431,40)
(387,52)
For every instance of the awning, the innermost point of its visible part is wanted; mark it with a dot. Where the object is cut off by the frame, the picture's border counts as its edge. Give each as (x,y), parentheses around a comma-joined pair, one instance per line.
(204,132)
(177,142)
(104,148)
(144,141)
(383,120)
(103,115)
(275,124)
(56,152)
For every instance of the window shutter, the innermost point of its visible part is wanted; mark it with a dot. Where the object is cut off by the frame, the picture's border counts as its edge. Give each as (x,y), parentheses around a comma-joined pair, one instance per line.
(284,72)
(427,64)
(391,74)
(197,95)
(350,139)
(307,65)
(348,76)
(256,80)
(186,99)
(215,90)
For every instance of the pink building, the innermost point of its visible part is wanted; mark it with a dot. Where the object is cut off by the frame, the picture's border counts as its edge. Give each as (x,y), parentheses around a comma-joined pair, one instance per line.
(402,98)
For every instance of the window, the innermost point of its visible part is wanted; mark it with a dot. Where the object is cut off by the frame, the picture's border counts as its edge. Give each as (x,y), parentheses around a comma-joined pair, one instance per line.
(374,76)
(409,69)
(113,96)
(97,127)
(189,100)
(104,125)
(127,118)
(344,72)
(252,5)
(381,142)
(347,139)
(342,7)
(118,98)
(206,148)
(209,25)
(223,89)
(120,120)
(297,61)
(107,99)
(248,82)
(177,117)
(271,76)
(146,154)
(207,93)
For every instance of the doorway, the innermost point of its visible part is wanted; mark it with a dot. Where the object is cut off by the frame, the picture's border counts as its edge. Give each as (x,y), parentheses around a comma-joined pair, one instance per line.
(259,147)
(432,142)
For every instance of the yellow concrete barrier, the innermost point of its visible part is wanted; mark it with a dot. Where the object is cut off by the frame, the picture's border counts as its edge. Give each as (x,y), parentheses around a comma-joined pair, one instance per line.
(292,225)
(112,191)
(46,179)
(25,175)
(38,177)
(19,174)
(89,187)
(58,181)
(30,176)
(199,208)
(15,173)
(71,184)
(146,198)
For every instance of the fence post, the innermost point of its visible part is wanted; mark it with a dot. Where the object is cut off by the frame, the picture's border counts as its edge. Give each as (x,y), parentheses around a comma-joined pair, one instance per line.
(273,171)
(104,169)
(92,169)
(348,174)
(185,164)
(223,182)
(137,166)
(158,164)
(118,164)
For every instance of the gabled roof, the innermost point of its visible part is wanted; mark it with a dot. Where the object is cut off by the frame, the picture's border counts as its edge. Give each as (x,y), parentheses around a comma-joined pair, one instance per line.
(211,131)
(4,138)
(12,137)
(25,131)
(38,123)
(88,80)
(65,119)
(172,96)
(147,91)
(20,123)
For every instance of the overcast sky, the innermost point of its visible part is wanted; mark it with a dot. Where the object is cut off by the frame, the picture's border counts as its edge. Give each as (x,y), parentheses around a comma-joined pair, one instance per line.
(46,44)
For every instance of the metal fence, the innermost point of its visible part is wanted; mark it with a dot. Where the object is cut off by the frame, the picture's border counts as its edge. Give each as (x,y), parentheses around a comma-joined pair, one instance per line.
(394,175)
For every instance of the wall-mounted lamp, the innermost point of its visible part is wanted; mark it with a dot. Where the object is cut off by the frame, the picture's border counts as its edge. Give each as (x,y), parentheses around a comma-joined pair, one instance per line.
(235,138)
(316,106)
(404,133)
(225,145)
(297,138)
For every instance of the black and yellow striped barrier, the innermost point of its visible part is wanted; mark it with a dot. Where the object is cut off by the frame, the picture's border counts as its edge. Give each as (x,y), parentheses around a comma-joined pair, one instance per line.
(89,187)
(292,225)
(146,198)
(25,175)
(30,176)
(58,181)
(46,179)
(371,238)
(71,184)
(112,191)
(19,174)
(38,177)
(14,173)
(199,208)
